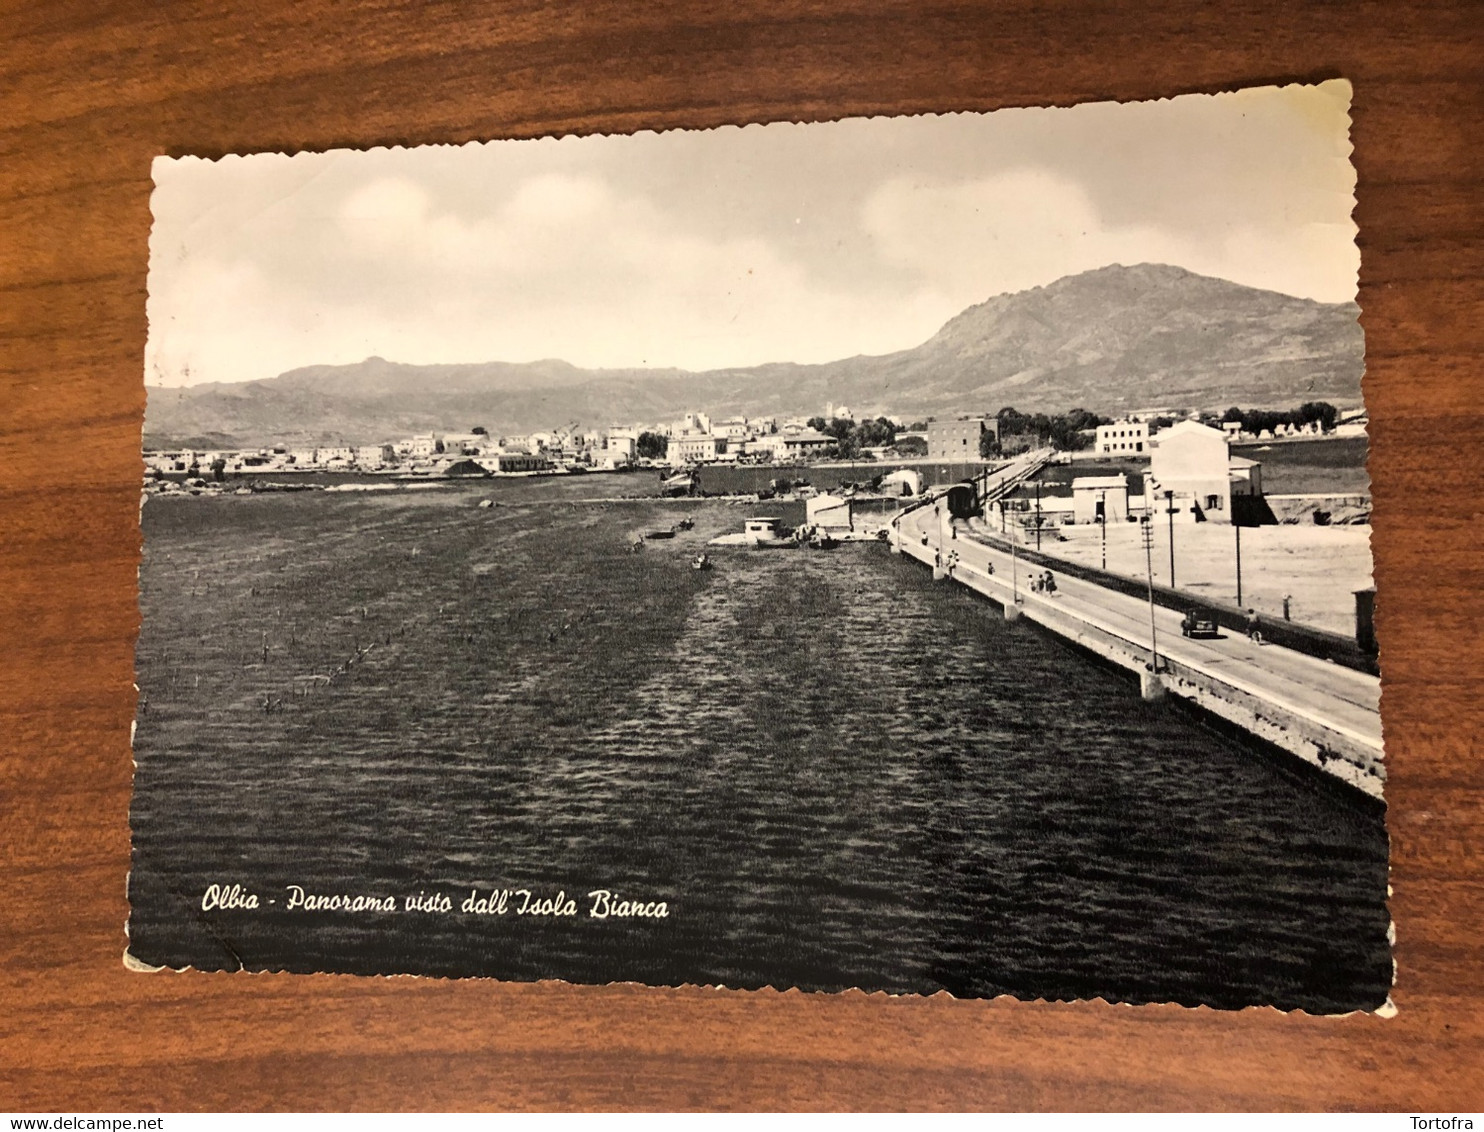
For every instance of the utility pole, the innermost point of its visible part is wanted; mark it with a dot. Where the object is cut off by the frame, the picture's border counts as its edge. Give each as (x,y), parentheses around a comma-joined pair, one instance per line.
(1170,508)
(1238,527)
(1038,514)
(1103,522)
(1147,530)
(1014,572)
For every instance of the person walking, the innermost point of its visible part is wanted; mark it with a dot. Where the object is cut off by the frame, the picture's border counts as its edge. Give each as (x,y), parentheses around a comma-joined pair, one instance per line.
(1254,632)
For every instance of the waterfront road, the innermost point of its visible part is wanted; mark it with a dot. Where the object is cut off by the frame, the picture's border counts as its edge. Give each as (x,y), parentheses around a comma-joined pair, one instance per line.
(1331,695)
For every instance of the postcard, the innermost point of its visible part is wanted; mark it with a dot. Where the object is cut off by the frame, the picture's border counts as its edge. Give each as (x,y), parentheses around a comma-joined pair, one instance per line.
(917,554)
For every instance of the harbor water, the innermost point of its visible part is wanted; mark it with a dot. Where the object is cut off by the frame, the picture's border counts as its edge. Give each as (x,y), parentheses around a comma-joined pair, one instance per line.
(829,770)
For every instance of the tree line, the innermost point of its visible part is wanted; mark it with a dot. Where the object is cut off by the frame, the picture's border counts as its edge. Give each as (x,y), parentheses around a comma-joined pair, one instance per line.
(1257,421)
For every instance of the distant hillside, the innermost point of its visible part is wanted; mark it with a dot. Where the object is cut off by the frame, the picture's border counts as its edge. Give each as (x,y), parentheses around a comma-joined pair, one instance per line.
(1109,340)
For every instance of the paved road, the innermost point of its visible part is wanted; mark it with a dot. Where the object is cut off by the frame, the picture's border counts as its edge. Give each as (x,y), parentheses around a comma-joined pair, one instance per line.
(1336,697)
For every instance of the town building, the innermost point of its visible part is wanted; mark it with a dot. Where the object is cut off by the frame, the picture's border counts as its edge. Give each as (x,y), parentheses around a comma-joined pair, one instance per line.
(1122,438)
(795,445)
(734,428)
(375,456)
(506,462)
(959,439)
(696,448)
(1098,499)
(691,422)
(619,448)
(466,444)
(1193,472)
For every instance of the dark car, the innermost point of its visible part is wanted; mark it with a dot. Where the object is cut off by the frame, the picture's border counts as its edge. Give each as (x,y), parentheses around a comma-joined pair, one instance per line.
(1194,624)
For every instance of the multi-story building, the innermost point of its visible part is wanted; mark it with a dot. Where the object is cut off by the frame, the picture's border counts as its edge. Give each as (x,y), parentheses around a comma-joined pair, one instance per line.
(959,439)
(795,444)
(619,447)
(465,444)
(696,448)
(375,456)
(1122,438)
(1194,475)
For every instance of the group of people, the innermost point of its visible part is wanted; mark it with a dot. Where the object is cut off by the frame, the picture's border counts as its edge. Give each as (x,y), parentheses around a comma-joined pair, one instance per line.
(1043,583)
(944,563)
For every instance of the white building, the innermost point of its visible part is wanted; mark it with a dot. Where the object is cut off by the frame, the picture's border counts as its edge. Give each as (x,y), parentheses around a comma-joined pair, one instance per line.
(334,455)
(1193,471)
(1099,498)
(691,422)
(466,444)
(1122,438)
(375,456)
(796,445)
(619,448)
(696,448)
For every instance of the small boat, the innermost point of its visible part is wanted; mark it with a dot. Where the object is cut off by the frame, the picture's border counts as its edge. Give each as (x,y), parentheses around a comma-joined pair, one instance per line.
(660,534)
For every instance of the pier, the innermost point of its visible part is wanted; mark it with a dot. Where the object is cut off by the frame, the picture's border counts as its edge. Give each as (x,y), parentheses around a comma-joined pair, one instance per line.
(1323,713)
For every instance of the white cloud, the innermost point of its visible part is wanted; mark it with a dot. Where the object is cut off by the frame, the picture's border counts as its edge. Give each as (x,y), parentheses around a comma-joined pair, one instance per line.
(1026,228)
(729,247)
(565,267)
(1009,232)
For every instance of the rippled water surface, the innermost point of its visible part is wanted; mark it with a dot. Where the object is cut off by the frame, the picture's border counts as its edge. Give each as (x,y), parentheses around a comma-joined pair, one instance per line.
(832,771)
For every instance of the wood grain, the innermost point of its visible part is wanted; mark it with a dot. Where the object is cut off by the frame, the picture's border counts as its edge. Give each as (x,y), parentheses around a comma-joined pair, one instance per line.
(91,90)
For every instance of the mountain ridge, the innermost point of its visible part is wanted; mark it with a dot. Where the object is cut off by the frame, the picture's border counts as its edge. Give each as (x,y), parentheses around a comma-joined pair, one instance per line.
(1111,340)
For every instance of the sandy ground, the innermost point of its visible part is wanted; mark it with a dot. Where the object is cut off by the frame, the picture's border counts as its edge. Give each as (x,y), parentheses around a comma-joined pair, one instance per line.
(1320,567)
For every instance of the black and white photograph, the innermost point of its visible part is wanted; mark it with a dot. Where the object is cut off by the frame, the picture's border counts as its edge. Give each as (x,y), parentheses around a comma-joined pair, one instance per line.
(909,554)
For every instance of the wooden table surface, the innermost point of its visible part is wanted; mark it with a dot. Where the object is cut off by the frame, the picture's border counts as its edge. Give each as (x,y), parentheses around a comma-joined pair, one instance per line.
(91,90)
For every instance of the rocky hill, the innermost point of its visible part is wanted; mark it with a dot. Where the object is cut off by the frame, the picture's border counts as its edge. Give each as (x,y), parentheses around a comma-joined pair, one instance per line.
(1109,340)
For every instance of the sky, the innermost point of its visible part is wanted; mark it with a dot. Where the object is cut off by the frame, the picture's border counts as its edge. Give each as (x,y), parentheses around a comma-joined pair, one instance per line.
(734,246)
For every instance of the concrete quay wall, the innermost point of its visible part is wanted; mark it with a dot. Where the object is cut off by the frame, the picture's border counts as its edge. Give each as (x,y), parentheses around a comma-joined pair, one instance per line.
(1351,758)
